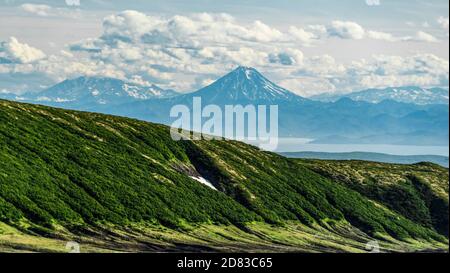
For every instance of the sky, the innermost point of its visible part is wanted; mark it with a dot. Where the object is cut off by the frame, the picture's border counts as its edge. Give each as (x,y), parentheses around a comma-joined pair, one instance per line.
(309,47)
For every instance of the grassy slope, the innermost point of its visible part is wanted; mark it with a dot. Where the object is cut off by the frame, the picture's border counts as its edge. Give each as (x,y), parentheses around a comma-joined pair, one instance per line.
(418,192)
(115,183)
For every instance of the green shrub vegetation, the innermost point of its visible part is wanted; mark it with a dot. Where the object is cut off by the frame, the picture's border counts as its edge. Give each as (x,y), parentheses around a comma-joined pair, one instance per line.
(78,169)
(418,192)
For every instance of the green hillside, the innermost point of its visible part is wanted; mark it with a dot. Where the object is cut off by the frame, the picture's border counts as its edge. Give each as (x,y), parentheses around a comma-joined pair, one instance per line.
(117,184)
(419,191)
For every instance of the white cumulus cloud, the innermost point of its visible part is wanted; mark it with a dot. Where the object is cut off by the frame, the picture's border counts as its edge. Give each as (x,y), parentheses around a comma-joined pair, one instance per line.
(41,10)
(184,52)
(346,30)
(379,35)
(443,22)
(16,52)
(303,36)
(422,36)
(49,11)
(373,2)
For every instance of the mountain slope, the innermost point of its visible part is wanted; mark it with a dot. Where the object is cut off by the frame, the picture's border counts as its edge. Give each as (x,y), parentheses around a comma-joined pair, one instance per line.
(406,94)
(418,192)
(65,173)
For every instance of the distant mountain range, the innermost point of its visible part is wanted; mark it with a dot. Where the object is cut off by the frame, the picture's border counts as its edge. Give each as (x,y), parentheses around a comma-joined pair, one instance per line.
(341,121)
(91,92)
(408,94)
(348,121)
(376,157)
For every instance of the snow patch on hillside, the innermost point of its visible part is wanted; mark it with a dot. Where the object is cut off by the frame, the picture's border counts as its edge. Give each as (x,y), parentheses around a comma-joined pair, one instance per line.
(204,181)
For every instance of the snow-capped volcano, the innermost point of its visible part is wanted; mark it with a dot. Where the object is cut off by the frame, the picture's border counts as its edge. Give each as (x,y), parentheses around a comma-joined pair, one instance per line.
(245,84)
(99,90)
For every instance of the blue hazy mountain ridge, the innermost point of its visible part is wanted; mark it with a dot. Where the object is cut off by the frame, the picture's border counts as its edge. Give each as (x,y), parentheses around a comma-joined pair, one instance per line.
(7,96)
(341,121)
(406,94)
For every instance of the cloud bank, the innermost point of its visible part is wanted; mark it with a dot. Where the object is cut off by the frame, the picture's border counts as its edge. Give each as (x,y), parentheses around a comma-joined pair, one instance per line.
(13,51)
(186,52)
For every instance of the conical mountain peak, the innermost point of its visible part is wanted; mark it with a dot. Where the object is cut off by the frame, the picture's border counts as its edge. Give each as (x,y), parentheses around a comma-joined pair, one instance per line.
(246,84)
